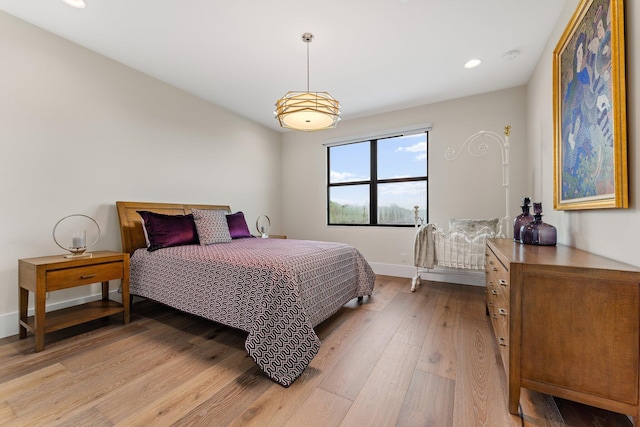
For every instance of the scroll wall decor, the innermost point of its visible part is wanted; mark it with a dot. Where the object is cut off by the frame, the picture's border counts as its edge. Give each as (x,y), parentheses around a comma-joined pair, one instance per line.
(589,110)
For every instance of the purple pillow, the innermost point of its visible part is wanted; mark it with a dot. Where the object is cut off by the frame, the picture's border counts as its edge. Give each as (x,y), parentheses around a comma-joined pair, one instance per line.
(164,231)
(238,226)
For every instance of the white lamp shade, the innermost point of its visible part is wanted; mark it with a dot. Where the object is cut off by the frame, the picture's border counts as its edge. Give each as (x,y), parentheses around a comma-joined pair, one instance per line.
(308,111)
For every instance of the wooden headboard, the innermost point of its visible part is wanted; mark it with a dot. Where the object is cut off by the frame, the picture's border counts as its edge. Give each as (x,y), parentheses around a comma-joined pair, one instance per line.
(131,223)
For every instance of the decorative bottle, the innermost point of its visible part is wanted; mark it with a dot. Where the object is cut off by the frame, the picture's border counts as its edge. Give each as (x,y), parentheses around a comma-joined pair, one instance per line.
(538,232)
(523,219)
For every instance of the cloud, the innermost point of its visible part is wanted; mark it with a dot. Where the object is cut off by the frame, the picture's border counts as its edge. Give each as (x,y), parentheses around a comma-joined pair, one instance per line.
(336,176)
(415,148)
(420,148)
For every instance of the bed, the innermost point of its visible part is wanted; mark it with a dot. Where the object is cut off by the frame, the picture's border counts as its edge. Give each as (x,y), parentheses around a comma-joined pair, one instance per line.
(463,245)
(277,290)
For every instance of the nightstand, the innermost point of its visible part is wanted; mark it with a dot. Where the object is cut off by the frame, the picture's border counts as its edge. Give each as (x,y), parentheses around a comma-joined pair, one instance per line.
(53,273)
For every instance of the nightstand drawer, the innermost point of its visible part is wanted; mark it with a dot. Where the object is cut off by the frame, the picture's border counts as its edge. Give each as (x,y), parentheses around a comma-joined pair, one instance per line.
(78,276)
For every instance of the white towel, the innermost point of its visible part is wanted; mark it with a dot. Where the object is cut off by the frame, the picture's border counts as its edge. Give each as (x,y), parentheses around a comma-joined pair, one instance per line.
(423,248)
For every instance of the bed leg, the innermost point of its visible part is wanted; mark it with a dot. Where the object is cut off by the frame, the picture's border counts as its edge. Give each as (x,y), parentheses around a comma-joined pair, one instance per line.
(360,299)
(415,282)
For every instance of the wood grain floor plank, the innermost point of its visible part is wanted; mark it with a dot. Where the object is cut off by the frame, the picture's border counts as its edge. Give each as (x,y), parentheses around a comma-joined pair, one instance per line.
(321,409)
(471,302)
(278,404)
(539,410)
(171,407)
(87,418)
(163,378)
(29,361)
(105,375)
(226,404)
(380,400)
(479,398)
(27,383)
(160,378)
(415,325)
(182,328)
(386,289)
(439,354)
(6,413)
(428,402)
(351,372)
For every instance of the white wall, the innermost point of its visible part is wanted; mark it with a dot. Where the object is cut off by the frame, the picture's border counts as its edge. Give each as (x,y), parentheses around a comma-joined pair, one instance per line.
(79,131)
(614,233)
(467,188)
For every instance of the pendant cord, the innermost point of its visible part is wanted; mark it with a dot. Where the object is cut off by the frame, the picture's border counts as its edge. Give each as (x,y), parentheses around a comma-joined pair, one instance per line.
(307,66)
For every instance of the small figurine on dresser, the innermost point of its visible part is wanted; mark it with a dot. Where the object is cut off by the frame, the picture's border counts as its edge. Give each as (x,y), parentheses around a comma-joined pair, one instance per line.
(523,219)
(538,232)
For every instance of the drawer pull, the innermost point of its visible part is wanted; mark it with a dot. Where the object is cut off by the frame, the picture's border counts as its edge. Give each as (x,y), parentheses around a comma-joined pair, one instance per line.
(87,276)
(494,292)
(502,311)
(495,268)
(503,282)
(502,341)
(495,316)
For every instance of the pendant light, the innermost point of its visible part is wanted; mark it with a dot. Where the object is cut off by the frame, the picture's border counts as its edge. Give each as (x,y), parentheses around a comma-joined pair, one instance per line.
(307,111)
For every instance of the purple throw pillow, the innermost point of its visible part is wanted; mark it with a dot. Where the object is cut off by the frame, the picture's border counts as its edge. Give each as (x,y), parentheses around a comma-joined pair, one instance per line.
(164,231)
(238,226)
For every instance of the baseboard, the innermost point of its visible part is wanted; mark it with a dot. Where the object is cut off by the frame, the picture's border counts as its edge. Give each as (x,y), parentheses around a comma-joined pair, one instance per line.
(437,274)
(9,321)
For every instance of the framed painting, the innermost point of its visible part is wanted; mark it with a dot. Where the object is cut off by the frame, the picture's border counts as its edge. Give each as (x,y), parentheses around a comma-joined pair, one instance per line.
(589,109)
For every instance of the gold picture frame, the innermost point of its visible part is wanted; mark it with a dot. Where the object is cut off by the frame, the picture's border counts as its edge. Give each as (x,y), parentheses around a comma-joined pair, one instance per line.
(589,109)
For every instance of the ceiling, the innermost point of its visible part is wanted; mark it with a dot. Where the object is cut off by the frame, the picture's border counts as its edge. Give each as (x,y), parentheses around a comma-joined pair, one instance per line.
(373,56)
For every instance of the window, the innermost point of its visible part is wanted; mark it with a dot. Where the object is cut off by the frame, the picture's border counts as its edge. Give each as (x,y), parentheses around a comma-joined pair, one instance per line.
(377,181)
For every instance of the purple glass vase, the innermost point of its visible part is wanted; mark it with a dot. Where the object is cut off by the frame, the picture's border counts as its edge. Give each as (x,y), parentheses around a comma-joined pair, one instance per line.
(538,232)
(523,219)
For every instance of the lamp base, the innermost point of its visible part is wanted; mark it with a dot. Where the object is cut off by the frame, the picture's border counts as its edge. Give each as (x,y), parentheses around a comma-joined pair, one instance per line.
(80,255)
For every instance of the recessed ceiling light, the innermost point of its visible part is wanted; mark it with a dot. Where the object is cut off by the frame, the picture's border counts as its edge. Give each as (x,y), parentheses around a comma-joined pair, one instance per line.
(78,4)
(473,63)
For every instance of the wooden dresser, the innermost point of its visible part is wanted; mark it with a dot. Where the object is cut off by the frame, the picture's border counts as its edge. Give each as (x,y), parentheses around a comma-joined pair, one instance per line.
(567,323)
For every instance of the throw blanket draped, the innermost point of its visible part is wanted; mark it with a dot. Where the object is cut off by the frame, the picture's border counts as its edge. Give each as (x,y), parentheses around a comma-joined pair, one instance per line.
(424,247)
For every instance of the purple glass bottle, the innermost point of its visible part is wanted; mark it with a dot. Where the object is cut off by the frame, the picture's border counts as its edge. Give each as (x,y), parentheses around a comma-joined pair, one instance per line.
(538,232)
(523,219)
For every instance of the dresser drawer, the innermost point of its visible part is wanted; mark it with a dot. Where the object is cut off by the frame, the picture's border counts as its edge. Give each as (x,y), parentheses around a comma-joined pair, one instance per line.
(497,275)
(498,294)
(502,286)
(500,322)
(78,276)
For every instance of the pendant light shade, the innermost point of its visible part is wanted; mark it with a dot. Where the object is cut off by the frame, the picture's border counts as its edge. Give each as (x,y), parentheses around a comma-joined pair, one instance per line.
(307,111)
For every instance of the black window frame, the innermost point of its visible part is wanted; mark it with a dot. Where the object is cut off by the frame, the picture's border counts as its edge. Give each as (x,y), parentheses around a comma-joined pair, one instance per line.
(373,181)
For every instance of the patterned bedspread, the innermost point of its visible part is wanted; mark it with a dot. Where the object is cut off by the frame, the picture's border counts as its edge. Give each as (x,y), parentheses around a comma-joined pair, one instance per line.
(275,289)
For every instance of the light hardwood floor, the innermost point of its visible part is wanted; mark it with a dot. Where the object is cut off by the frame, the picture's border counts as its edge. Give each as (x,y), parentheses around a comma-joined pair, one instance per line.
(401,359)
